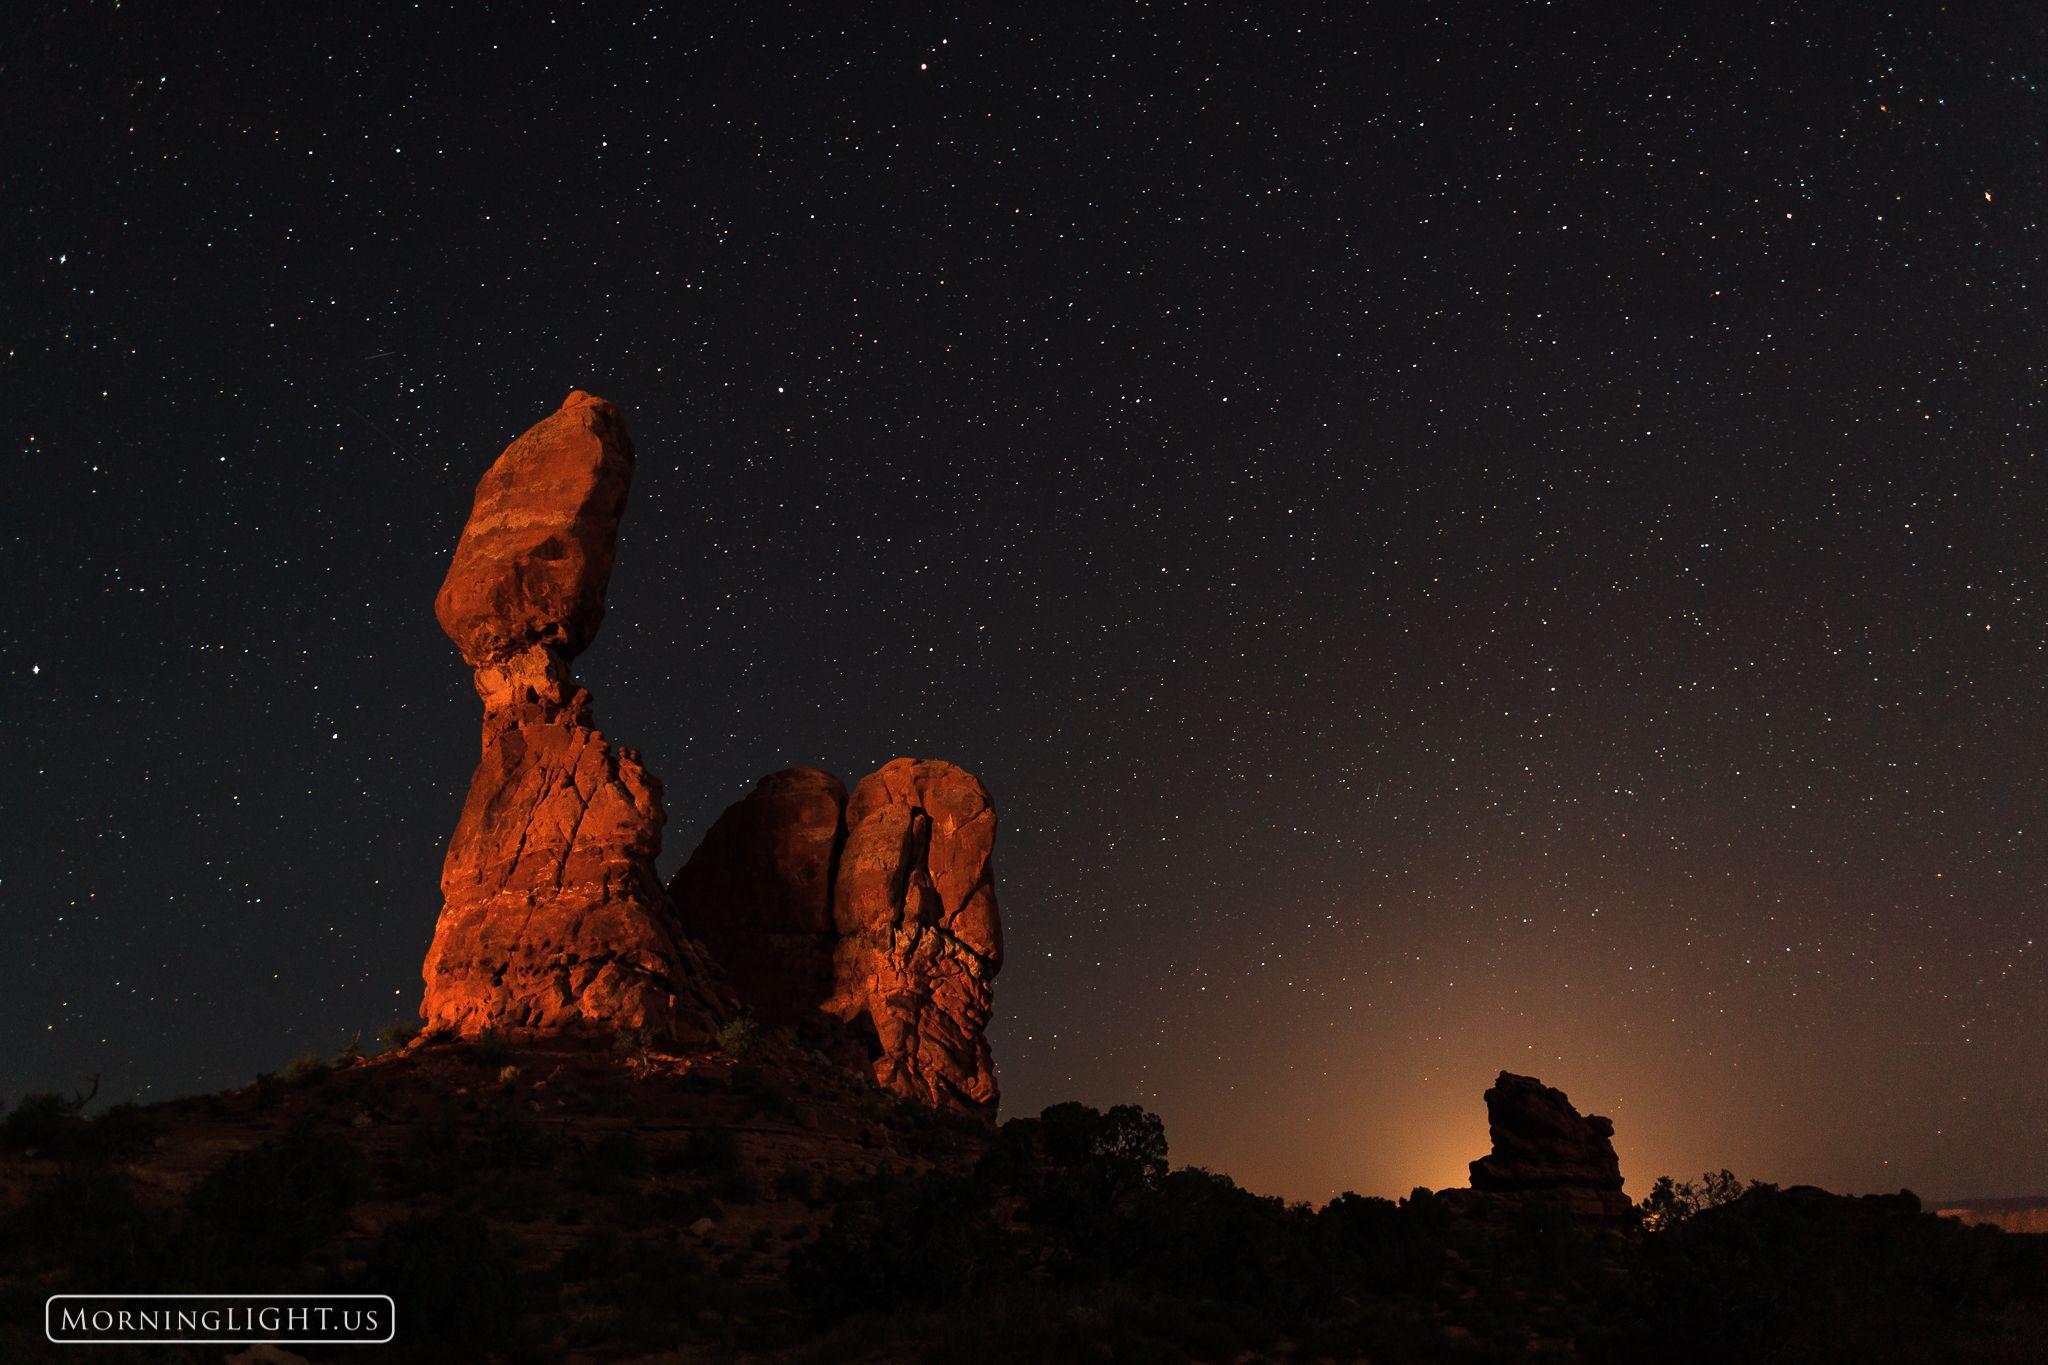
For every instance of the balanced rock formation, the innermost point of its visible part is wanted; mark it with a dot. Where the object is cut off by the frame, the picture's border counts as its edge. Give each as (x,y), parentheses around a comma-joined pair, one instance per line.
(879,910)
(553,919)
(758,892)
(920,940)
(1544,1151)
(536,556)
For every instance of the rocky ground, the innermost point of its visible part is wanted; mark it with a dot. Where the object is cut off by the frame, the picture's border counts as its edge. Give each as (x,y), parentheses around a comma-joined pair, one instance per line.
(551,1204)
(606,1174)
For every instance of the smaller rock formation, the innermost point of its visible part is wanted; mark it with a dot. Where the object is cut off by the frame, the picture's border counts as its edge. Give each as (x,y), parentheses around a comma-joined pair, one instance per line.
(920,939)
(1544,1151)
(758,892)
(553,919)
(876,912)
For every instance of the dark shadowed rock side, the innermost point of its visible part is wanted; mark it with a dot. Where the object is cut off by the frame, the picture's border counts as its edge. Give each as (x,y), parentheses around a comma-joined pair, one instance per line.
(553,919)
(1543,1150)
(877,910)
(758,892)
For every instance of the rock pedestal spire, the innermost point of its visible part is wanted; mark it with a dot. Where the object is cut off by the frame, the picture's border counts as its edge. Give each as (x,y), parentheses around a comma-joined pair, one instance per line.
(553,918)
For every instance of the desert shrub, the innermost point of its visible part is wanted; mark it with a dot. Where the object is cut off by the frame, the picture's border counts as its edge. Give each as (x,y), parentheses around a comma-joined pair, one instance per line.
(53,1126)
(632,1044)
(40,1123)
(397,1034)
(307,1067)
(739,1034)
(452,1284)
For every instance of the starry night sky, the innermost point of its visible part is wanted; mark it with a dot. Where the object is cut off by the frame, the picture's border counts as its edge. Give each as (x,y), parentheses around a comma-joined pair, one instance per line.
(1460,539)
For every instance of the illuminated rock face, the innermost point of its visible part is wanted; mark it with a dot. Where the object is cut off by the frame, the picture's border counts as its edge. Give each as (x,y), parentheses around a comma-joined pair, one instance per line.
(1544,1150)
(920,940)
(758,892)
(536,556)
(552,918)
(878,909)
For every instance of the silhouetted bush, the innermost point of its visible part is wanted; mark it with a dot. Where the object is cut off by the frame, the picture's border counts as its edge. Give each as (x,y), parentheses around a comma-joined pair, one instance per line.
(1802,1274)
(396,1035)
(925,1242)
(1197,1266)
(1670,1203)
(53,1126)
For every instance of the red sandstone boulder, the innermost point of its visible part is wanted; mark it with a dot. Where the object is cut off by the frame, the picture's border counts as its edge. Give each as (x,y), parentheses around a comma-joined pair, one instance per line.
(553,918)
(536,556)
(1544,1151)
(920,940)
(758,892)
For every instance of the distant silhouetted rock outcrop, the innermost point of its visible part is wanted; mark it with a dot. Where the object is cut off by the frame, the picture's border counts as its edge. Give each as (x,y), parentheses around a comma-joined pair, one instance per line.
(553,918)
(2028,1213)
(878,910)
(1545,1151)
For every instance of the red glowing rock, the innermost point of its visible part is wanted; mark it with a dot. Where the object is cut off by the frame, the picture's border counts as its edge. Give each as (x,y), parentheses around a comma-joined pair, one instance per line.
(920,939)
(553,918)
(536,556)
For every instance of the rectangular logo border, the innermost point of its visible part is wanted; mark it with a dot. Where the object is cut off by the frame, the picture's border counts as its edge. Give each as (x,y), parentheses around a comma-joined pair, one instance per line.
(389,1303)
